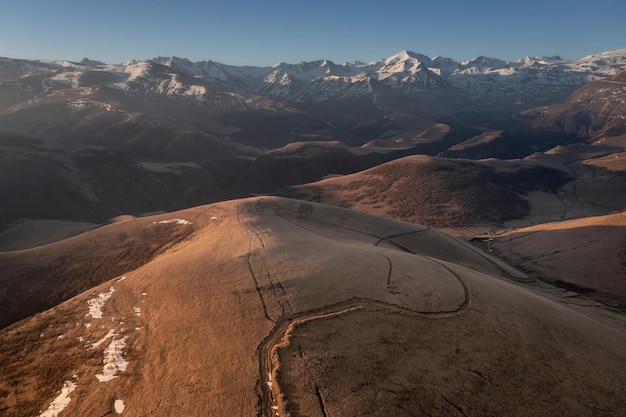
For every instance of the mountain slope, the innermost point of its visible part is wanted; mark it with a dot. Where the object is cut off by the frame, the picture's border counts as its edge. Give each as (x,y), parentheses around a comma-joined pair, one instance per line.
(560,252)
(153,92)
(481,200)
(262,311)
(596,110)
(437,191)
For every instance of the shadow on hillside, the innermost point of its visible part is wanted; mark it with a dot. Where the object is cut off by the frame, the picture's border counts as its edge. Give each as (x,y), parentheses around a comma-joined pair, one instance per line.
(35,280)
(587,259)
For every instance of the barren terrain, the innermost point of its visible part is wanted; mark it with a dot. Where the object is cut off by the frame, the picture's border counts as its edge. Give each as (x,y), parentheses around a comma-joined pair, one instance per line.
(492,198)
(271,306)
(587,256)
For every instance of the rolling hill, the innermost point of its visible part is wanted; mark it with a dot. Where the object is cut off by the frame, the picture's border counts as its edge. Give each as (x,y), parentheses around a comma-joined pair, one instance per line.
(270,306)
(564,187)
(563,253)
(440,192)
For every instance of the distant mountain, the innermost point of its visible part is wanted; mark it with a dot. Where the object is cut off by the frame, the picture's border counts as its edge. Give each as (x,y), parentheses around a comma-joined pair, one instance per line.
(596,110)
(486,79)
(168,133)
(228,104)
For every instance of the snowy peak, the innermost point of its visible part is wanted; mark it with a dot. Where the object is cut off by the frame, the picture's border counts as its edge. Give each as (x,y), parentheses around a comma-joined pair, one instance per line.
(403,62)
(444,66)
(609,63)
(408,71)
(408,56)
(90,63)
(527,81)
(485,63)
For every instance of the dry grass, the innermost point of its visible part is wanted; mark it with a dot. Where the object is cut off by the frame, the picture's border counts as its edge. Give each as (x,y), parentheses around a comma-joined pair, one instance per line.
(587,256)
(407,366)
(37,279)
(437,192)
(365,315)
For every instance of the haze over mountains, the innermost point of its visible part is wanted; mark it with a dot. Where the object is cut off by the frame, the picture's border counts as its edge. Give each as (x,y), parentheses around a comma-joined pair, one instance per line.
(267,305)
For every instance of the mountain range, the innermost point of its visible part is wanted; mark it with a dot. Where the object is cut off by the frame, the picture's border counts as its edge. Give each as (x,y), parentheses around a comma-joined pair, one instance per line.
(485,80)
(172,133)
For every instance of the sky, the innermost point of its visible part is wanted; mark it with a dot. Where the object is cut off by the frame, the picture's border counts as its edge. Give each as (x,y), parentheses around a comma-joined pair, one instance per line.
(264,33)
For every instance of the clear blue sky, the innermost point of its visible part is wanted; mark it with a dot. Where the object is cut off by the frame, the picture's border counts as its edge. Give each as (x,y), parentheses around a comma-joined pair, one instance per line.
(242,32)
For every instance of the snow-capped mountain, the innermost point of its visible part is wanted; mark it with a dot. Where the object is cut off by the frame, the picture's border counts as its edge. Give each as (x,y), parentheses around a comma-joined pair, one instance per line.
(353,102)
(167,131)
(485,80)
(597,110)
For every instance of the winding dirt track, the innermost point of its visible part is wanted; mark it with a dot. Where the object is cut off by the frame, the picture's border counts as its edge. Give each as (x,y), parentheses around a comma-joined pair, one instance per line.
(268,389)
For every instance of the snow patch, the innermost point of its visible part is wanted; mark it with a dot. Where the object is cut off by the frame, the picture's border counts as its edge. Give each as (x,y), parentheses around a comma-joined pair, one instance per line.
(96,304)
(114,361)
(137,311)
(119,406)
(82,104)
(121,279)
(173,221)
(61,401)
(101,341)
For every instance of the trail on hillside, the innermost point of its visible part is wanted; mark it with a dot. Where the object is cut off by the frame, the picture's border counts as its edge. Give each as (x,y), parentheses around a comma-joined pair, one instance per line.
(269,389)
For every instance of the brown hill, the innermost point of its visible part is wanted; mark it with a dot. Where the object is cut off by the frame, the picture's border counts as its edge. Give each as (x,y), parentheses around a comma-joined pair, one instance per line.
(439,192)
(587,256)
(278,307)
(42,179)
(469,198)
(36,279)
(594,112)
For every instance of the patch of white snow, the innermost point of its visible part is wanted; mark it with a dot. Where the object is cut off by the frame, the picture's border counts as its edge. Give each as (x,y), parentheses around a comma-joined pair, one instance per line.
(96,304)
(173,221)
(61,401)
(119,406)
(114,361)
(101,341)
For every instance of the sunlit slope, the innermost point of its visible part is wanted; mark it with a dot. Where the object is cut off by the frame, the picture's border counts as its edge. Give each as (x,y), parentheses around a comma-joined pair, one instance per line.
(275,306)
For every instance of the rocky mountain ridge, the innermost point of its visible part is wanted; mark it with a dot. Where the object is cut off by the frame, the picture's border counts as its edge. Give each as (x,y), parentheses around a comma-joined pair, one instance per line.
(485,81)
